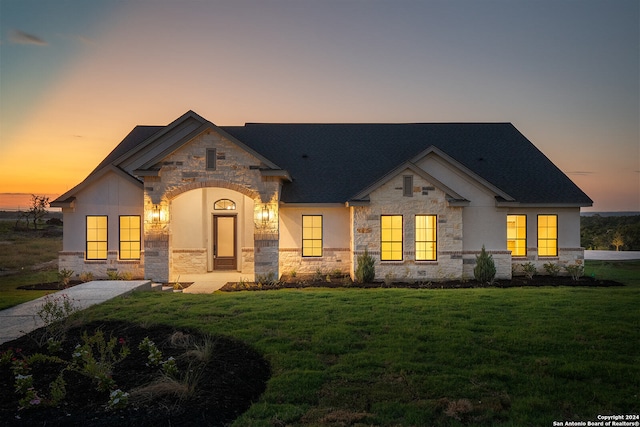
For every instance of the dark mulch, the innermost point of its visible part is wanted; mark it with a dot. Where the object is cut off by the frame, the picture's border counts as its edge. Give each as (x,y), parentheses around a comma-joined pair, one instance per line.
(51,286)
(230,381)
(515,282)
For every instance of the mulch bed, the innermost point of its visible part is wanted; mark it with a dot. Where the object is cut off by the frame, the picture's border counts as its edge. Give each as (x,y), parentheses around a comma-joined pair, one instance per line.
(233,378)
(515,282)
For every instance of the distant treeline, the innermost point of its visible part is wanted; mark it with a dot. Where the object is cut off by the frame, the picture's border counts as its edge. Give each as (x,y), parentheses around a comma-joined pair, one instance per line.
(610,232)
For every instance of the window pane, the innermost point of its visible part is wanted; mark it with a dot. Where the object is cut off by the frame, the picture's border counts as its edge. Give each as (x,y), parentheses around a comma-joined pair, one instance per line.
(130,237)
(547,235)
(426,243)
(391,238)
(96,237)
(312,235)
(517,234)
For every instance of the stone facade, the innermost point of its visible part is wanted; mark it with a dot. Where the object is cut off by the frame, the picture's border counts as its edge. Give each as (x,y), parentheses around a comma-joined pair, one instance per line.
(501,260)
(74,261)
(186,170)
(332,260)
(426,199)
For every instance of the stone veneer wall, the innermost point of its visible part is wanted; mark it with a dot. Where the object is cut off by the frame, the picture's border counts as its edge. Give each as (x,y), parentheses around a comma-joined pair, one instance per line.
(75,262)
(501,259)
(388,199)
(332,259)
(185,170)
(189,261)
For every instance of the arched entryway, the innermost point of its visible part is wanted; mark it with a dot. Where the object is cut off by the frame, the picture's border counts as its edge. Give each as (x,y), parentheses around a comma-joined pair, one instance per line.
(211,228)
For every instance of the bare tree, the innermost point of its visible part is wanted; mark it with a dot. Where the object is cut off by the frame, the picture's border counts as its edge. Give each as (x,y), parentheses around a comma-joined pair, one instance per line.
(617,241)
(37,211)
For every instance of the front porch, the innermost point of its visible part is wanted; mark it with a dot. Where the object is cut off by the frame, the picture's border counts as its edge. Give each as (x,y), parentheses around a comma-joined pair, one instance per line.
(207,283)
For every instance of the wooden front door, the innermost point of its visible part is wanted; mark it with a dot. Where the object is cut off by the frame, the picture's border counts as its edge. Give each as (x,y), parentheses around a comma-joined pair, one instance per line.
(224,242)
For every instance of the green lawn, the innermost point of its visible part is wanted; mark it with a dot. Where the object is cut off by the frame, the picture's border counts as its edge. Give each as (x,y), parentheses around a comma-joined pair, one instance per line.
(20,251)
(398,357)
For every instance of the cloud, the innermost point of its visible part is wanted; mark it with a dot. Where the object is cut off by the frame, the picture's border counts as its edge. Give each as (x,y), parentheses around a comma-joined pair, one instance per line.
(21,37)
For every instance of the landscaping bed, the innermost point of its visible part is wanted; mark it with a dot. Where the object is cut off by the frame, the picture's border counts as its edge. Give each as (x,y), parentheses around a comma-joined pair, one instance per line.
(216,378)
(288,282)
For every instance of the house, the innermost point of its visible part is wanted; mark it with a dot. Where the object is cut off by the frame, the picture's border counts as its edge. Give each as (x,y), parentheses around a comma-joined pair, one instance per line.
(422,199)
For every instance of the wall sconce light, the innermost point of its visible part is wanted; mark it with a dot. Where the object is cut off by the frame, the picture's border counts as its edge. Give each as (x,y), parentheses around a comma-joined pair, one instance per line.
(265,215)
(155,214)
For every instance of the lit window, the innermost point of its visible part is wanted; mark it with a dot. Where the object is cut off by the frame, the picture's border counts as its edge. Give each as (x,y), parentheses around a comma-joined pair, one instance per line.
(517,235)
(547,235)
(97,237)
(391,238)
(130,237)
(224,204)
(311,235)
(426,242)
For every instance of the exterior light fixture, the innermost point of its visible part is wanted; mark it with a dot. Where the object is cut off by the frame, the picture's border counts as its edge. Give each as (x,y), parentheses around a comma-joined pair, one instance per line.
(155,214)
(265,215)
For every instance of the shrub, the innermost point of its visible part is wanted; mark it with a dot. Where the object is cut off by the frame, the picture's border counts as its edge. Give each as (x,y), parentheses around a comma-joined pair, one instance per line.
(86,276)
(64,276)
(113,275)
(365,271)
(268,279)
(485,269)
(529,270)
(576,271)
(552,269)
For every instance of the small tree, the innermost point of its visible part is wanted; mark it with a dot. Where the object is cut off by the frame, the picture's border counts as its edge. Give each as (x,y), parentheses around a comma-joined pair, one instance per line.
(365,270)
(617,241)
(37,211)
(485,269)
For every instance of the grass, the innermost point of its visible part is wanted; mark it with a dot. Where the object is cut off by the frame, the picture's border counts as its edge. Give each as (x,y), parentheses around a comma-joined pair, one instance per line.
(396,357)
(21,251)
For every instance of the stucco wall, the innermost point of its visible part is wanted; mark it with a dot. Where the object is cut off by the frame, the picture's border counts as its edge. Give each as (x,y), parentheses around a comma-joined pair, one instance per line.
(111,195)
(335,240)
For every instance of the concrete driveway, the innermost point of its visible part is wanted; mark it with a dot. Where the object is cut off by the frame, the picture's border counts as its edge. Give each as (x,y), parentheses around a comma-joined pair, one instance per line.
(612,255)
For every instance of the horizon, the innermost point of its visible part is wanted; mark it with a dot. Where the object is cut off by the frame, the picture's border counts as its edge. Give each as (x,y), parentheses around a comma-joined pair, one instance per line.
(76,77)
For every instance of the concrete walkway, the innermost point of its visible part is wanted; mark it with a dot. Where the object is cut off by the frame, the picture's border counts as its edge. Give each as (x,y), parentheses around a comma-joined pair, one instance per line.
(21,319)
(208,283)
(611,255)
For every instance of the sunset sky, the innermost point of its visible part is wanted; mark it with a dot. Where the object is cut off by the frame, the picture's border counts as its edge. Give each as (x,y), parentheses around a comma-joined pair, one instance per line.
(76,76)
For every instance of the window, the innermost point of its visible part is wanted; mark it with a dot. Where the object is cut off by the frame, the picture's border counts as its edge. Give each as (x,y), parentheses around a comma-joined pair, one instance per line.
(311,235)
(211,159)
(517,235)
(407,186)
(130,237)
(426,242)
(97,237)
(224,204)
(547,235)
(391,238)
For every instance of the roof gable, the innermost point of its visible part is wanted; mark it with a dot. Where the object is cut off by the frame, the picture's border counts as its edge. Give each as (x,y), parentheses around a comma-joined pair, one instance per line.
(452,196)
(67,199)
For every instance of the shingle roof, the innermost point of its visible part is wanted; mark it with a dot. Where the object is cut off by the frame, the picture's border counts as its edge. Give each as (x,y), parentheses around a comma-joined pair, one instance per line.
(135,137)
(333,162)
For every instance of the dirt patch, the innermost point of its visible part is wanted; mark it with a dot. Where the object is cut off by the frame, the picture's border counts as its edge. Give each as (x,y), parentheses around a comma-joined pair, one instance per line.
(220,387)
(515,282)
